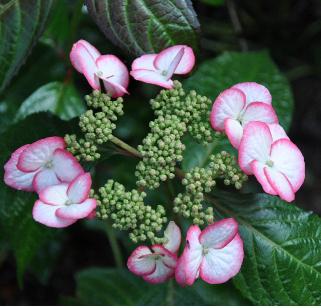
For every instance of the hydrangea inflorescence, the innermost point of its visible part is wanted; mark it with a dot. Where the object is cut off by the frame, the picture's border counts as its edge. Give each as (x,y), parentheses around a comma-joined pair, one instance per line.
(244,112)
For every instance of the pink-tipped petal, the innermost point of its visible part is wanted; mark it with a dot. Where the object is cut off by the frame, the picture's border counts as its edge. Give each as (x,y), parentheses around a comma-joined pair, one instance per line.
(77,211)
(258,171)
(113,89)
(255,145)
(228,105)
(152,77)
(86,62)
(79,188)
(115,72)
(92,215)
(141,262)
(180,271)
(280,184)
(174,64)
(220,265)
(44,179)
(219,234)
(234,132)
(259,112)
(39,153)
(193,254)
(254,92)
(54,195)
(145,62)
(161,273)
(76,55)
(288,159)
(66,166)
(165,58)
(46,215)
(277,132)
(172,235)
(15,178)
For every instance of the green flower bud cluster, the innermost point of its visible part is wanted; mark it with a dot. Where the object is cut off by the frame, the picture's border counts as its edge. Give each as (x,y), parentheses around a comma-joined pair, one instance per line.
(128,212)
(190,203)
(192,109)
(97,126)
(201,180)
(161,150)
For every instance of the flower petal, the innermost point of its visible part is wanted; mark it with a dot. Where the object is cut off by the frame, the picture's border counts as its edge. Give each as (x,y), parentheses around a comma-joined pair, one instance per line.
(39,153)
(77,211)
(254,92)
(219,234)
(193,254)
(78,190)
(277,132)
(75,55)
(255,145)
(289,160)
(165,58)
(259,112)
(115,72)
(54,195)
(114,89)
(258,170)
(180,271)
(219,265)
(174,64)
(66,166)
(160,274)
(145,62)
(140,261)
(46,215)
(152,77)
(44,179)
(234,132)
(173,236)
(15,178)
(280,184)
(228,105)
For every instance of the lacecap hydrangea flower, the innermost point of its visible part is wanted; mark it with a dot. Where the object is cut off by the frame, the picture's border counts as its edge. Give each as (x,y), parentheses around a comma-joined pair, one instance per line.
(159,68)
(88,61)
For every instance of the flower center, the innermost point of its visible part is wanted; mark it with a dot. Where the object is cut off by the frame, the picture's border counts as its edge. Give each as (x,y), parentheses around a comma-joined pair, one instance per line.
(48,164)
(100,74)
(205,250)
(68,202)
(164,73)
(269,163)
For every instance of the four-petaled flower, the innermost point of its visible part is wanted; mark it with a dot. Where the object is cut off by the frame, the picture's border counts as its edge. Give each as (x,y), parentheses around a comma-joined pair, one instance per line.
(88,61)
(157,263)
(214,254)
(61,205)
(43,163)
(276,162)
(159,68)
(239,105)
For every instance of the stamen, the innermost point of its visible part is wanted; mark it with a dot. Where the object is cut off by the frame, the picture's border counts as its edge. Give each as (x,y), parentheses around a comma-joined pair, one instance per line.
(270,163)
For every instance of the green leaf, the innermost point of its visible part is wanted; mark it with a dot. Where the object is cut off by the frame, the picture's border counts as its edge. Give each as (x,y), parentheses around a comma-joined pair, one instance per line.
(24,235)
(213,2)
(60,98)
(21,24)
(145,26)
(214,76)
(282,243)
(101,286)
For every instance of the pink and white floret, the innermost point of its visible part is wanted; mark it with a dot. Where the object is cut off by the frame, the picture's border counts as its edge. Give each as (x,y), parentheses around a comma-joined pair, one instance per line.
(276,162)
(157,263)
(214,254)
(159,68)
(239,105)
(88,61)
(62,205)
(33,167)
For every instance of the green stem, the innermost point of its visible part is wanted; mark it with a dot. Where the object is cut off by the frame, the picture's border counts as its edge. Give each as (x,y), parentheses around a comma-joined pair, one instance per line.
(114,246)
(125,147)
